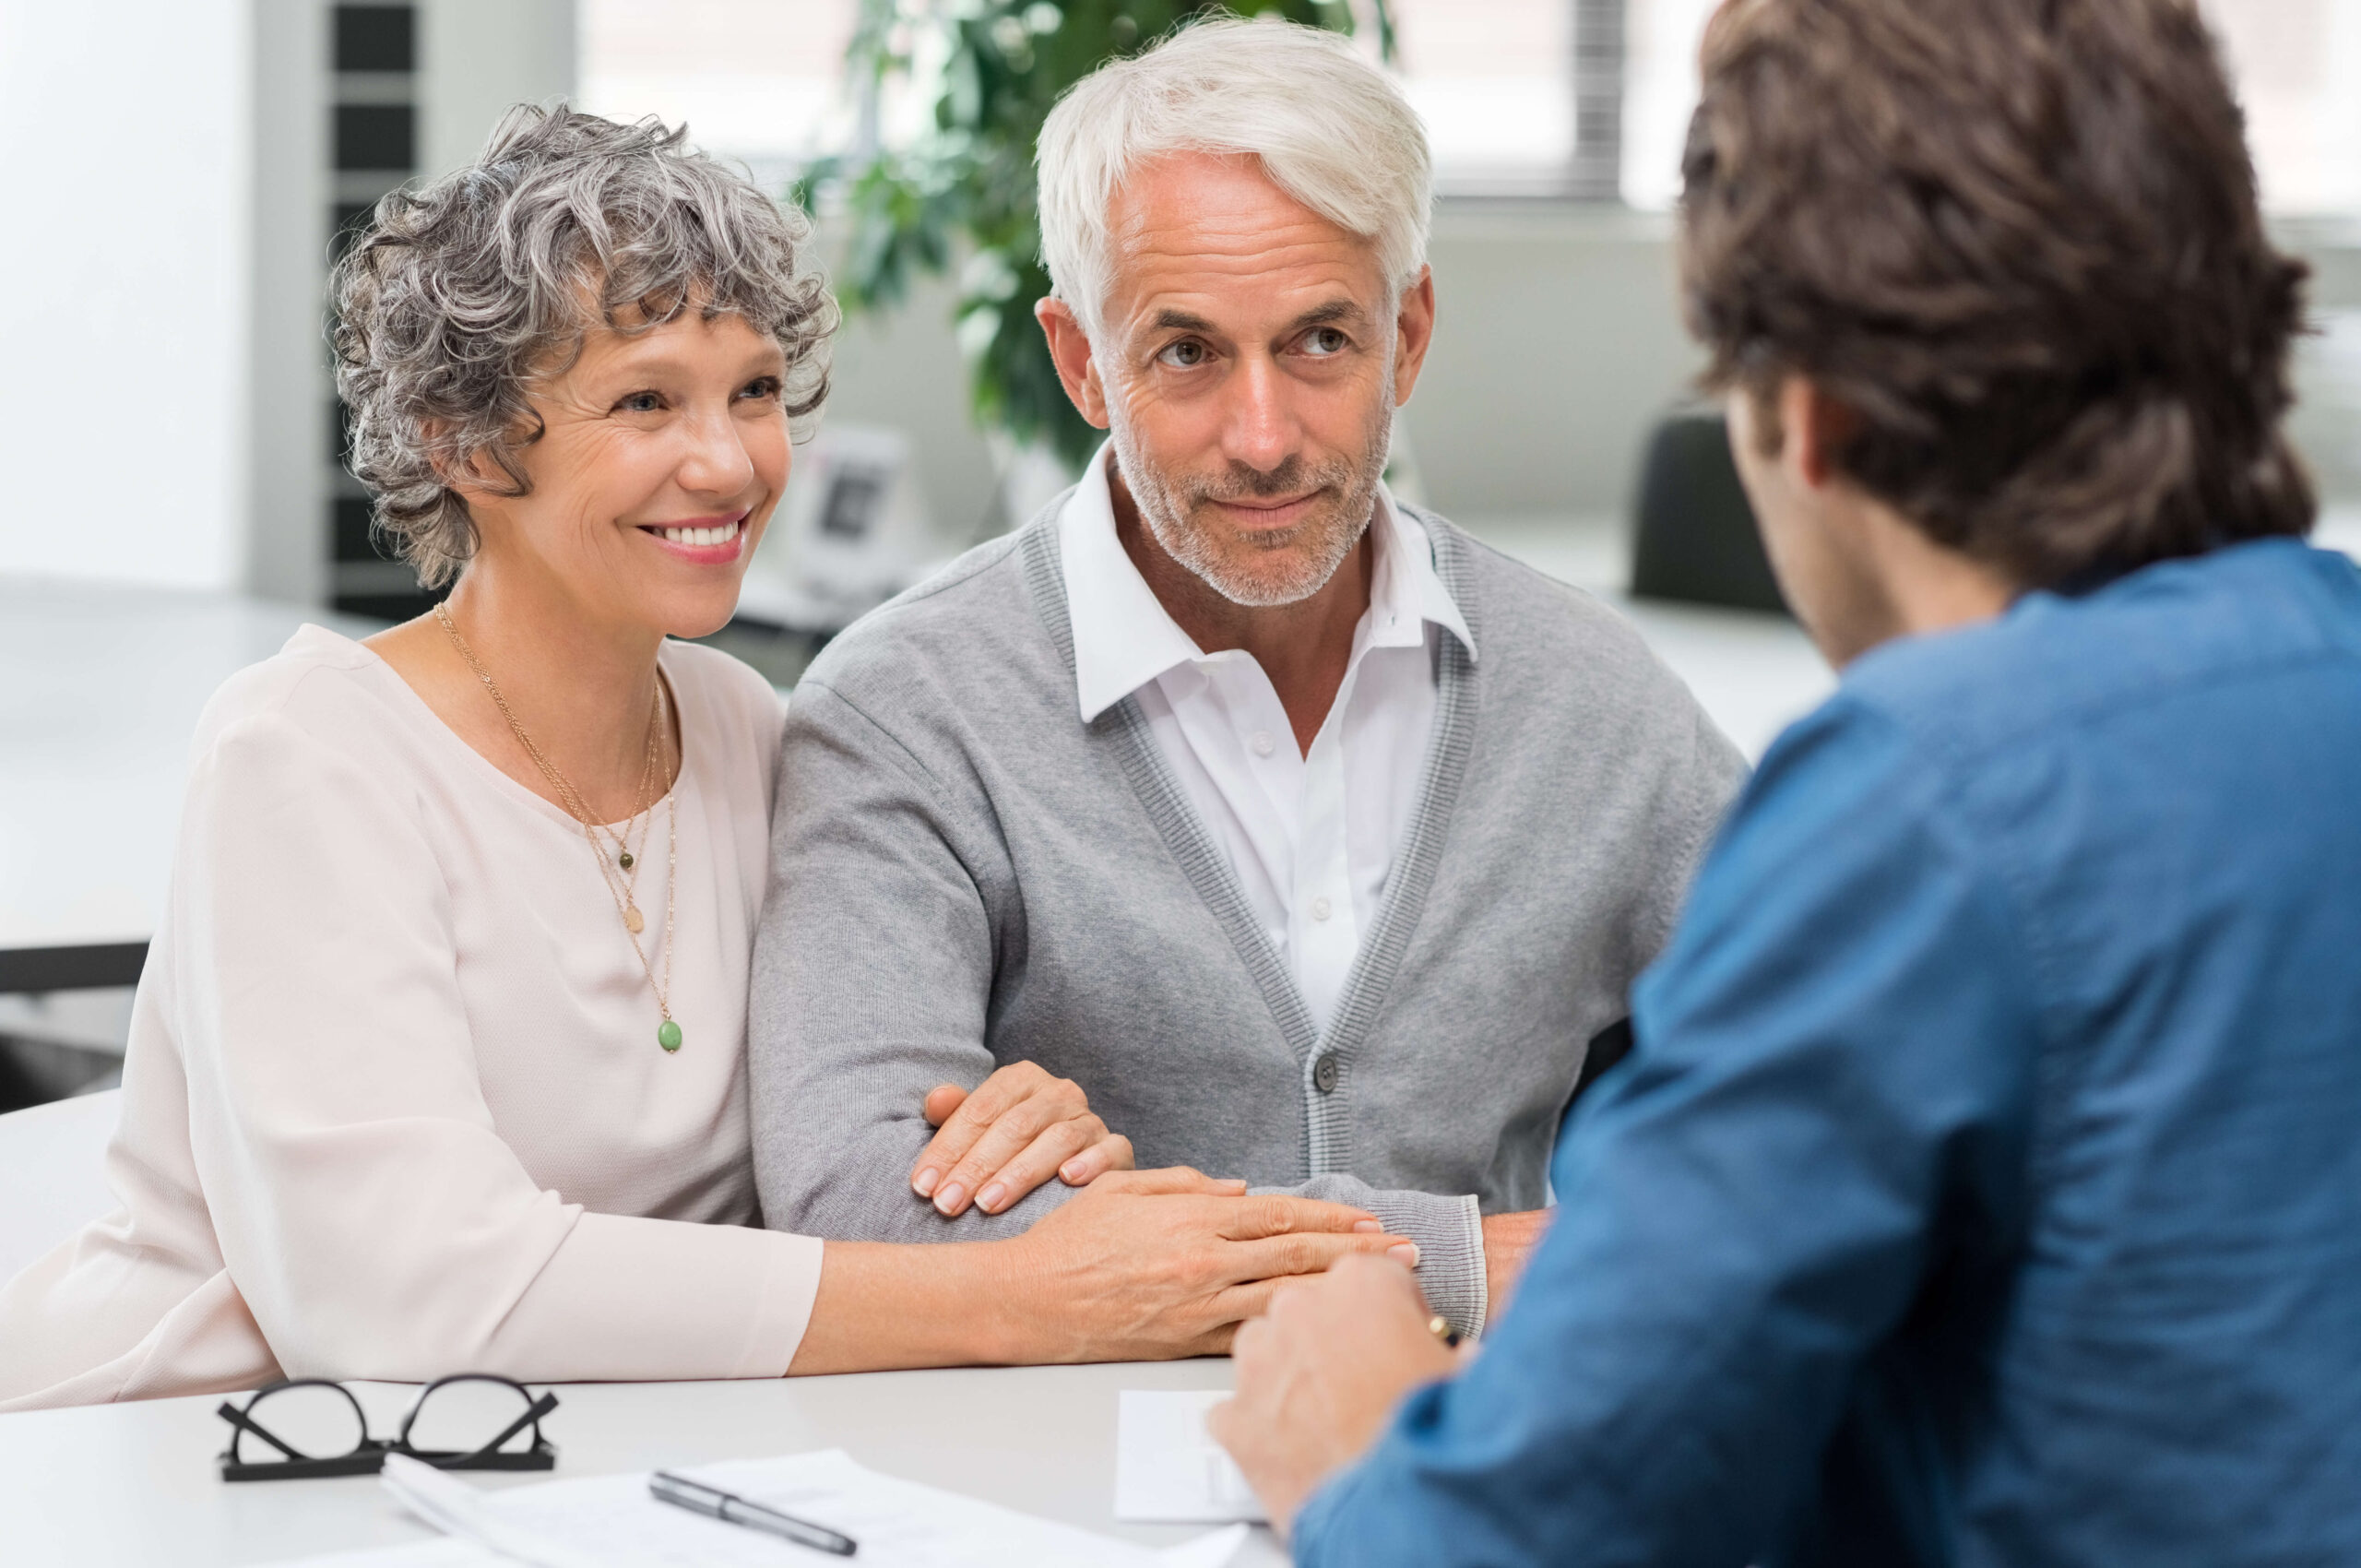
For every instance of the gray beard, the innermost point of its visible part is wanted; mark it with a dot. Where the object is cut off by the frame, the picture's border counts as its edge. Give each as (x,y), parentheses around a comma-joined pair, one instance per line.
(1292,575)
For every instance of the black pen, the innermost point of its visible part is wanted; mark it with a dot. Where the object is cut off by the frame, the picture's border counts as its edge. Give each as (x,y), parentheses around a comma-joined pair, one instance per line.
(732,1509)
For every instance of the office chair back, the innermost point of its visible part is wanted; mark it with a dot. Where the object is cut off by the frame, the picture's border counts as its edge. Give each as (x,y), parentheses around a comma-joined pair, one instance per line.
(1694,538)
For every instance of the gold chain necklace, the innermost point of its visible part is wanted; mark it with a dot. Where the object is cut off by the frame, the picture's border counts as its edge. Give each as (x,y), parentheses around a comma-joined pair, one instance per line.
(623,892)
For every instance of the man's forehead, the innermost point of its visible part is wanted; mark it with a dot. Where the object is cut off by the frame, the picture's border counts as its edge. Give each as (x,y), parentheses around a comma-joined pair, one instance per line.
(1214,237)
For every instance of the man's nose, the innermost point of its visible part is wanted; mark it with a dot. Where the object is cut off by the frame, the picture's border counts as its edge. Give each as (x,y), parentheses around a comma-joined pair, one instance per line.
(1262,432)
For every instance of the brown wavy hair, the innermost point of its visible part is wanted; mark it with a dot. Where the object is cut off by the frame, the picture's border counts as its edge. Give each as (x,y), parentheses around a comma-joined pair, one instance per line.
(2020,239)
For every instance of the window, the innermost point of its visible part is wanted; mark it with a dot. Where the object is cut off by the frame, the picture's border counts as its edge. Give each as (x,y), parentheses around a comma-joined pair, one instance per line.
(2297,64)
(1493,80)
(754,79)
(2298,69)
(1496,82)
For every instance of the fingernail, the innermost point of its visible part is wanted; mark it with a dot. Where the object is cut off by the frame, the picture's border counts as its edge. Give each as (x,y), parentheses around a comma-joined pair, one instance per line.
(1366,1227)
(925,1180)
(1407,1254)
(948,1199)
(1070,1172)
(992,1197)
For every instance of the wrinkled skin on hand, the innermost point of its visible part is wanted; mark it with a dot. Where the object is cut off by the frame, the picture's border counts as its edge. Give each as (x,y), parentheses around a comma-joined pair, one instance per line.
(1019,1127)
(1152,1265)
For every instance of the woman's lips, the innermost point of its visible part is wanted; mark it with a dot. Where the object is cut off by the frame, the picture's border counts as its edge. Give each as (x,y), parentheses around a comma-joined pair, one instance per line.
(704,542)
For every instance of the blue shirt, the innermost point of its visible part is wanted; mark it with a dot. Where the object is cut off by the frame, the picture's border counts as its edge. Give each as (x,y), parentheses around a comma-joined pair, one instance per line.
(1985,1184)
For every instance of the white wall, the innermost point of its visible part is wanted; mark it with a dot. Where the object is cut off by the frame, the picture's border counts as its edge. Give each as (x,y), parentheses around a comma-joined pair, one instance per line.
(123,264)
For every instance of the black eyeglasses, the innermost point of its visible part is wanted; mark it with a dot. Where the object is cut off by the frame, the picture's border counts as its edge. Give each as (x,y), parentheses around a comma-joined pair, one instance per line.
(318,1428)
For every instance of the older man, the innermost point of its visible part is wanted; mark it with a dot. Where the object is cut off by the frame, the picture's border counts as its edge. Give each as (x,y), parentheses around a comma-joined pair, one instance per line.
(1313,840)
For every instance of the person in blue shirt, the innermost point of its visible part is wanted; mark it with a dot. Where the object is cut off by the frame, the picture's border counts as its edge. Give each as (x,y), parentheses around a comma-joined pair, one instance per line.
(1983,1185)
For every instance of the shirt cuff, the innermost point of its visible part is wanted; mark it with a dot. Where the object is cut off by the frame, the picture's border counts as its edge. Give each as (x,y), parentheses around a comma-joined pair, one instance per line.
(1450,1234)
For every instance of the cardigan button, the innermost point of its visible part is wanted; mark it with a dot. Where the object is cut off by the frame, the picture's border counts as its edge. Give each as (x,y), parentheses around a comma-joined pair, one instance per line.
(1325,1073)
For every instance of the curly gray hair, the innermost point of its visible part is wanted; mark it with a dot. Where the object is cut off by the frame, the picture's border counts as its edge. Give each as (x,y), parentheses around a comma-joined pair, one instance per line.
(461,292)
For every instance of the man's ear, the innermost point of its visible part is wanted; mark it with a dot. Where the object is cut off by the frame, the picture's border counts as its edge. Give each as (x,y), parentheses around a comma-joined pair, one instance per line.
(1069,350)
(1815,428)
(1414,331)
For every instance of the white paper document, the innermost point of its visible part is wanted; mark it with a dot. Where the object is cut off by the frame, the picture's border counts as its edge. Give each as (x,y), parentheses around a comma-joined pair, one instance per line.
(899,1525)
(1168,1468)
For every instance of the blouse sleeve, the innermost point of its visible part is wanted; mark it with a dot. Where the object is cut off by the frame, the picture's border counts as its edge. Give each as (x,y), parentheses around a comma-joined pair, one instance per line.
(368,1211)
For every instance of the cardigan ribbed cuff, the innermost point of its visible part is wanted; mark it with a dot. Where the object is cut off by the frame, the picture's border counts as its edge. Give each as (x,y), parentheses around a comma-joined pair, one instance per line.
(1449,1233)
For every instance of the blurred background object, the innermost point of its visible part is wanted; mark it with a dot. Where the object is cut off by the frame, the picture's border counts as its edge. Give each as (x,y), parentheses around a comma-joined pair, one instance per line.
(1693,535)
(189,166)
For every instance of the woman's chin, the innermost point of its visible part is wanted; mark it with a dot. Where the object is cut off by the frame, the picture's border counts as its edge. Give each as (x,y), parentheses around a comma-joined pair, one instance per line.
(697,612)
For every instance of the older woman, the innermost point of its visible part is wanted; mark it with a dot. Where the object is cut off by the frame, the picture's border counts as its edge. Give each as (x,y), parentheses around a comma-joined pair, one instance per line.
(438,1060)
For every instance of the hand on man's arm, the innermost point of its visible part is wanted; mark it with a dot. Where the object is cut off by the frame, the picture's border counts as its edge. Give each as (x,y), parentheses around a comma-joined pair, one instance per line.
(1020,1128)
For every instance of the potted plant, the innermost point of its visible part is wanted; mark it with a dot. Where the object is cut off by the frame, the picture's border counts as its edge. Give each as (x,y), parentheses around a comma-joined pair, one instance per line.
(965,186)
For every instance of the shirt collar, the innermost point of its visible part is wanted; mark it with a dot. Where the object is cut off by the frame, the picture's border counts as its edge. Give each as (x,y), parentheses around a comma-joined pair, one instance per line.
(1124,637)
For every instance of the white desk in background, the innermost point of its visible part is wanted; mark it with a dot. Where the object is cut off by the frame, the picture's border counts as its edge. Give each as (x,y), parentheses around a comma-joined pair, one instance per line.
(100,692)
(136,1484)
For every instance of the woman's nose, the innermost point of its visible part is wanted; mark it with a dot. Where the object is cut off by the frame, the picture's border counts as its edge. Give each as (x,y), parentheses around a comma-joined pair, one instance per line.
(717,461)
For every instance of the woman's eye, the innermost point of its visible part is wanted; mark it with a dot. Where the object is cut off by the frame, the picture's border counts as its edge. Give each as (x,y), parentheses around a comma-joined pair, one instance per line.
(1187,354)
(640,403)
(1323,341)
(761,386)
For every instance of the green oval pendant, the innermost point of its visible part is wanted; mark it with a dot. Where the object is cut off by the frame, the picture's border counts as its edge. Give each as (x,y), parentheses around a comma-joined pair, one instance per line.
(625,860)
(668,1034)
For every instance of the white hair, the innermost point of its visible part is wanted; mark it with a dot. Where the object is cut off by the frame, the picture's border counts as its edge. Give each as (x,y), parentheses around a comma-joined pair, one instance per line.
(1328,127)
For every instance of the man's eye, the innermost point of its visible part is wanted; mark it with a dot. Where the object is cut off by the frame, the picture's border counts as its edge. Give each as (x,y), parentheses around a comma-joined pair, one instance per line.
(640,403)
(1323,341)
(1187,354)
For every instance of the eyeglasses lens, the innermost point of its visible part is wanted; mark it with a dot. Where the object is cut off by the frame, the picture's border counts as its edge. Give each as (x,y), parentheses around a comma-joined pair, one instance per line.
(459,1418)
(318,1424)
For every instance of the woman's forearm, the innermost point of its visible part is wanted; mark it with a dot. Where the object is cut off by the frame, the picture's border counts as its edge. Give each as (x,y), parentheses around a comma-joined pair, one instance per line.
(885,1305)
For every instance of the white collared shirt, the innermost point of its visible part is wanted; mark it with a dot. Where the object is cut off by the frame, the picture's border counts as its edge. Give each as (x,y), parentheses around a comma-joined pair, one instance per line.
(1311,836)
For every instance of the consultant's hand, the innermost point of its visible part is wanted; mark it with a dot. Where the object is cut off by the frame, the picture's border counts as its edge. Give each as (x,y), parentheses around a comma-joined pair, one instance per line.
(1150,1264)
(1020,1127)
(1320,1373)
(1509,1241)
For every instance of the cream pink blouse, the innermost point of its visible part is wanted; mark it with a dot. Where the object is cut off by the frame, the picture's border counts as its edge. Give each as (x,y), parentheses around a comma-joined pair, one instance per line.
(394,1105)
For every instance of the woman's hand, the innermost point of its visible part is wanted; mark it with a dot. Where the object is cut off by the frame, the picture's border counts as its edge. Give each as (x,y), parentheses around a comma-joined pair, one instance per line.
(1141,1265)
(1019,1127)
(1152,1265)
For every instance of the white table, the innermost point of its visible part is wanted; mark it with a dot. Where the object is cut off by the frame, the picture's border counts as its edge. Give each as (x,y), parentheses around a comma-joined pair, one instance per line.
(136,1484)
(100,692)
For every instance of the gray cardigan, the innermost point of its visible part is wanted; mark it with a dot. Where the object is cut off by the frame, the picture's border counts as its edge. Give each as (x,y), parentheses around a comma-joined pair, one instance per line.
(964,874)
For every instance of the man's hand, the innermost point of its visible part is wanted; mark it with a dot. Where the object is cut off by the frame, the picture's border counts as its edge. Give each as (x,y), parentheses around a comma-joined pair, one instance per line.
(1147,1264)
(1319,1375)
(1020,1127)
(1509,1241)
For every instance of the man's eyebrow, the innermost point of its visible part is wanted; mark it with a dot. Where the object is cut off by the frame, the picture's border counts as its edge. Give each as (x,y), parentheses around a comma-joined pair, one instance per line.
(1169,319)
(1327,315)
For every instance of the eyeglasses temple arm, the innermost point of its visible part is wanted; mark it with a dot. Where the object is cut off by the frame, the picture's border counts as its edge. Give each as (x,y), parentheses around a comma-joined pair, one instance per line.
(245,1422)
(533,1412)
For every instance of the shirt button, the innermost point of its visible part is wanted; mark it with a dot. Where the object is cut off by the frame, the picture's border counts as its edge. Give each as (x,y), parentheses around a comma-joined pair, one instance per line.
(1325,1073)
(1322,908)
(1263,743)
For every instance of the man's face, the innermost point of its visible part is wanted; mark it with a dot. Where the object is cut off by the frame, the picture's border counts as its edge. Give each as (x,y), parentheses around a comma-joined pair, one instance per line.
(1250,357)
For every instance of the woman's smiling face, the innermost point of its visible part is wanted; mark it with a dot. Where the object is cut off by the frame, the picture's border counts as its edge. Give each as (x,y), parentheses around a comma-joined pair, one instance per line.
(661,456)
